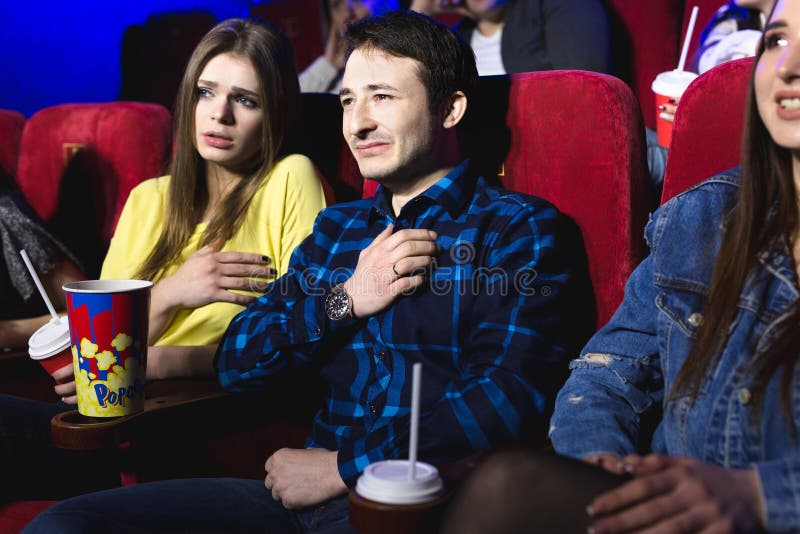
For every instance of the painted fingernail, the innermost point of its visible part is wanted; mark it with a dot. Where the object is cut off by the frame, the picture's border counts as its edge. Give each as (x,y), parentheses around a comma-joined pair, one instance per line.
(590,511)
(590,530)
(662,107)
(265,259)
(671,101)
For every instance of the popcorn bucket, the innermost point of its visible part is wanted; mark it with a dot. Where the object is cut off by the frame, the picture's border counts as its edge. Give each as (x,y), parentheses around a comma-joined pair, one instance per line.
(108,322)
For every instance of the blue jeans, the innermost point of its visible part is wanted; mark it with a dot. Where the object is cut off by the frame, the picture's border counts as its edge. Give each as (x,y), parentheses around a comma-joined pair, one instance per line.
(32,468)
(200,505)
(656,164)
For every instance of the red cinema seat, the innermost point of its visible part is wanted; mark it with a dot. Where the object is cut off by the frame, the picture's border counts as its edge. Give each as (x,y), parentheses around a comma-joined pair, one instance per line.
(79,162)
(706,137)
(301,22)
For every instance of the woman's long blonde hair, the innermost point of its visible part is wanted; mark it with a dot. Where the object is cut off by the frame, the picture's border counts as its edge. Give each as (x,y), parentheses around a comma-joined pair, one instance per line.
(272,57)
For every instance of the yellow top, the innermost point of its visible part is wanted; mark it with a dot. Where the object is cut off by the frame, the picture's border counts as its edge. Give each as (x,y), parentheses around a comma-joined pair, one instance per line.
(280,215)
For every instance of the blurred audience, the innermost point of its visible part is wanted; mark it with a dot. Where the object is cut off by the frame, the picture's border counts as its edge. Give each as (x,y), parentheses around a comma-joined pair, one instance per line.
(324,75)
(510,36)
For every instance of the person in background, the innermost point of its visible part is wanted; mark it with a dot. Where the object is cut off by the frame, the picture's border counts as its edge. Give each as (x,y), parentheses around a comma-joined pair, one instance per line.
(324,75)
(733,33)
(363,301)
(22,309)
(706,341)
(510,36)
(210,235)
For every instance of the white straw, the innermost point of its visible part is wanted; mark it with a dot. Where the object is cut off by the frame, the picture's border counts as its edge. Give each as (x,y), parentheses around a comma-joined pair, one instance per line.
(688,37)
(413,438)
(38,282)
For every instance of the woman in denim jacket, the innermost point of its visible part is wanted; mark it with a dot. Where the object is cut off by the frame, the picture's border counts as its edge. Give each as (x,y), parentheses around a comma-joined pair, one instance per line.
(709,333)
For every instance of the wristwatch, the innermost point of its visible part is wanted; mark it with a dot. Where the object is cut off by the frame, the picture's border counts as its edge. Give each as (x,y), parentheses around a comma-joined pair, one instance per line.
(338,304)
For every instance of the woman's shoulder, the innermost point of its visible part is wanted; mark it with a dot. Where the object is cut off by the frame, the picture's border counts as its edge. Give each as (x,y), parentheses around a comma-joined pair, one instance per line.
(295,171)
(151,187)
(710,199)
(685,232)
(722,188)
(294,163)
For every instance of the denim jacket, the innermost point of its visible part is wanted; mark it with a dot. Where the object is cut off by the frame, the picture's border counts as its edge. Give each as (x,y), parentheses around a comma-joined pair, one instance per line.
(628,366)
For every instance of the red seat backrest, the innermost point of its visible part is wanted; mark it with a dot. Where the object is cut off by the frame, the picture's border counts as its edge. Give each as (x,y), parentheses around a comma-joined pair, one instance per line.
(11,123)
(79,162)
(301,22)
(707,135)
(644,42)
(15,516)
(549,138)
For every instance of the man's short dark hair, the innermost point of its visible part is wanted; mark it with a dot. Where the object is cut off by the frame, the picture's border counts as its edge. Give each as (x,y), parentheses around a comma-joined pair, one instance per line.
(447,64)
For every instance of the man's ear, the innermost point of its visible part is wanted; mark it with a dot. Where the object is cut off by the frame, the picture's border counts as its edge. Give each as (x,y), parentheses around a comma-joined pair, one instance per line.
(455,108)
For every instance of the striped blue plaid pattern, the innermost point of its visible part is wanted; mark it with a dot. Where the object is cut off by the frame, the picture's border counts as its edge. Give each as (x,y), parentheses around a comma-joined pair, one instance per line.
(490,326)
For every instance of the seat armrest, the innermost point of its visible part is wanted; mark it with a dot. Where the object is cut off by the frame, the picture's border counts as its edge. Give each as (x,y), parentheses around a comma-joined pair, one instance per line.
(167,402)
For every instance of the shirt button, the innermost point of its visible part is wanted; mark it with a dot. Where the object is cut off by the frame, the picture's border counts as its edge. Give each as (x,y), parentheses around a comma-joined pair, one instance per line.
(744,396)
(696,319)
(316,332)
(381,355)
(372,408)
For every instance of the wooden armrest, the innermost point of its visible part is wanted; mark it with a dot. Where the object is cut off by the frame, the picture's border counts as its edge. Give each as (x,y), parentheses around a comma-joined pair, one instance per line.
(190,407)
(166,401)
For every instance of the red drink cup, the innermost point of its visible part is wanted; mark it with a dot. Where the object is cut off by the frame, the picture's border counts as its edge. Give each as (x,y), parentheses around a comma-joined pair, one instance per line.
(667,85)
(385,501)
(50,346)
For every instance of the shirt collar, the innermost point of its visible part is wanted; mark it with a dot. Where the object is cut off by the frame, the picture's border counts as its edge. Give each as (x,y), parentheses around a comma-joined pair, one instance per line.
(452,192)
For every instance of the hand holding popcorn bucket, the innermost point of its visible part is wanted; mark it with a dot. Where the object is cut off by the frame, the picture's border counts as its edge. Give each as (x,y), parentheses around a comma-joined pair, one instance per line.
(108,322)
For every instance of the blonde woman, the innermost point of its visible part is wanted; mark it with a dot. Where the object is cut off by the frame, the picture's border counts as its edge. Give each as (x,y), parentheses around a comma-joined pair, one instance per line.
(210,235)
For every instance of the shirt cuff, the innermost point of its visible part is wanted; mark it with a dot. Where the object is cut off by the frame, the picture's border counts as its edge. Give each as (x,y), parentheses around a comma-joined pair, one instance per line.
(317,324)
(780,487)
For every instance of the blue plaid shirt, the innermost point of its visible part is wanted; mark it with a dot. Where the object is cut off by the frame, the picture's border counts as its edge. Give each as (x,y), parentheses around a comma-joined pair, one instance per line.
(492,327)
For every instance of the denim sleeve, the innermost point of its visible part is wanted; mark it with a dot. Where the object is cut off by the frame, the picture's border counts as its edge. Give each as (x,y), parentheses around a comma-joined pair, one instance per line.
(780,486)
(617,377)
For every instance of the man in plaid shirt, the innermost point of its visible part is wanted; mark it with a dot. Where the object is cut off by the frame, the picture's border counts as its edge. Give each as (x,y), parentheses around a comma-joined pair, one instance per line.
(480,284)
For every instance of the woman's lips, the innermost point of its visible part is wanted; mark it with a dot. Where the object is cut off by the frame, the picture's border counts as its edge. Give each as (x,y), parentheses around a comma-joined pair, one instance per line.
(217,141)
(788,105)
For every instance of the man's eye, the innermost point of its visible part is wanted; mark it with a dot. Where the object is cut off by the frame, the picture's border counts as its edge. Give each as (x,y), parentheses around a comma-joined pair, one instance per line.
(346,102)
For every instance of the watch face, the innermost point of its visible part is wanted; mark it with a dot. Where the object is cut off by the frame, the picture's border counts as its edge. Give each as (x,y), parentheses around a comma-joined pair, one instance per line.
(337,305)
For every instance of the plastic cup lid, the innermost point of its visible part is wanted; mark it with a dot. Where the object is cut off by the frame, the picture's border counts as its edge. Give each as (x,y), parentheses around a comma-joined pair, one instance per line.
(387,482)
(672,82)
(50,339)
